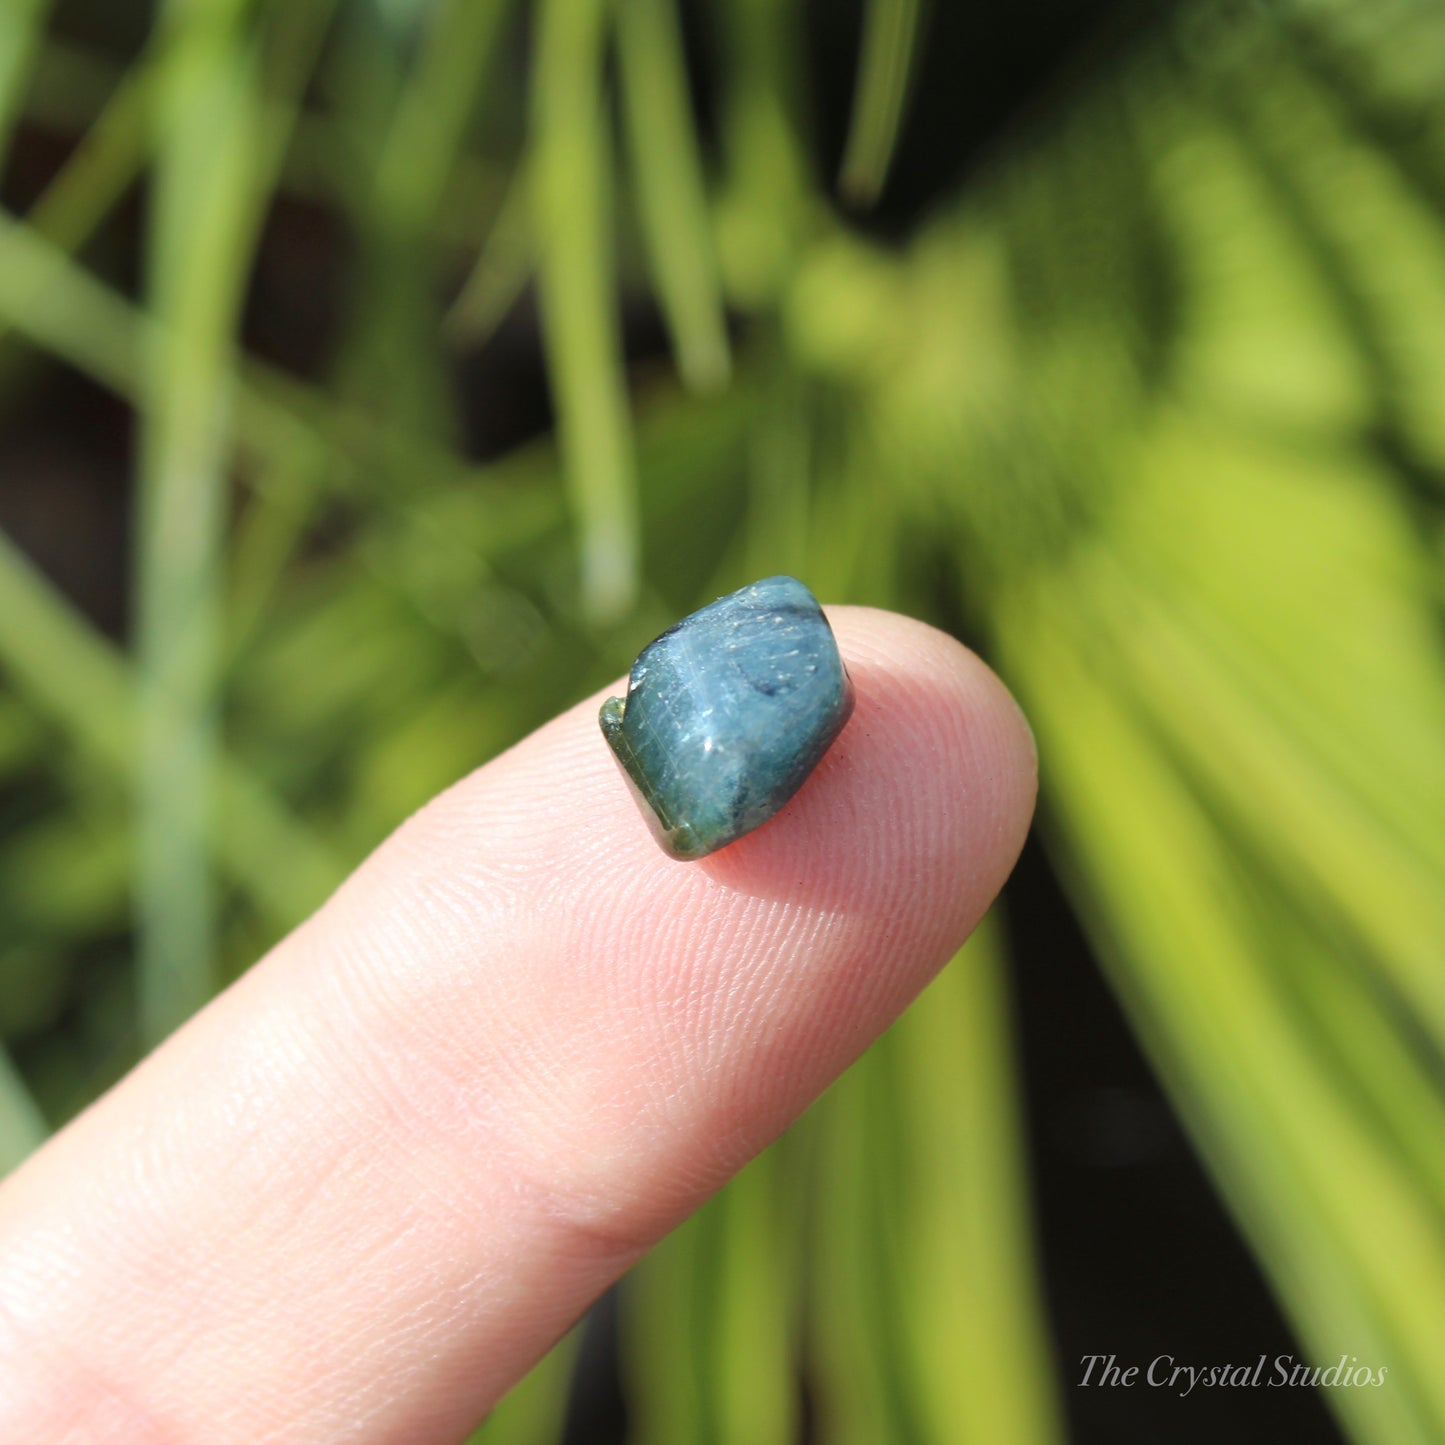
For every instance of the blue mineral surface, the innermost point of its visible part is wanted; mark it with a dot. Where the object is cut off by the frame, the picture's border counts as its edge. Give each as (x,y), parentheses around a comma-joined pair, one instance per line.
(728,712)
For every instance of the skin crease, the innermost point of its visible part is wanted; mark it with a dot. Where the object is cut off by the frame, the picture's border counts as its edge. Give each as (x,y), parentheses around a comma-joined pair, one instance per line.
(367,1187)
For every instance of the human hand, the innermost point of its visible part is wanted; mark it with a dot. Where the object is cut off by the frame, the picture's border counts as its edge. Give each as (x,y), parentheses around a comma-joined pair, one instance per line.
(371,1184)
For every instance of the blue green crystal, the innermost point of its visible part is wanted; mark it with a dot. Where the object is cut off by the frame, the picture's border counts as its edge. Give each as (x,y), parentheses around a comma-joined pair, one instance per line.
(727,713)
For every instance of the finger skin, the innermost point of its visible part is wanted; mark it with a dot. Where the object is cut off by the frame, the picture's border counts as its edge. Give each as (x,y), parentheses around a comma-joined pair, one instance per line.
(365,1189)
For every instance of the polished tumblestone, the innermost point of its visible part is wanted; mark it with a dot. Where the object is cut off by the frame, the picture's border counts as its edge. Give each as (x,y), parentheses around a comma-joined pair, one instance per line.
(727,713)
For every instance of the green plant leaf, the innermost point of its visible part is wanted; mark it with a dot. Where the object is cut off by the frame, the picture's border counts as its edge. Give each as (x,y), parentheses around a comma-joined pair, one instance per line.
(890,35)
(671,191)
(21,24)
(22,1126)
(571,170)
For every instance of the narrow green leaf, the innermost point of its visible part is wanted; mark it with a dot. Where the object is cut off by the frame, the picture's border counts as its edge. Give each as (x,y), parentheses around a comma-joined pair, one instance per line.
(67,671)
(534,1411)
(884,61)
(414,118)
(923,1255)
(115,146)
(21,23)
(667,165)
(710,1317)
(758,1328)
(967,1276)
(56,304)
(865,1382)
(203,226)
(1331,845)
(1352,1243)
(670,1303)
(572,174)
(102,166)
(22,1126)
(436,103)
(768,198)
(500,270)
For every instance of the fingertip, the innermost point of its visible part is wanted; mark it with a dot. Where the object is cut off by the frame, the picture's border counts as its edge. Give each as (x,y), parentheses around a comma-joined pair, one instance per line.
(517,1047)
(923,803)
(732,988)
(888,856)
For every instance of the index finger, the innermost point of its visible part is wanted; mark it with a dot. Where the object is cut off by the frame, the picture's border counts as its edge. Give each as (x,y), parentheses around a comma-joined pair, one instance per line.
(362,1192)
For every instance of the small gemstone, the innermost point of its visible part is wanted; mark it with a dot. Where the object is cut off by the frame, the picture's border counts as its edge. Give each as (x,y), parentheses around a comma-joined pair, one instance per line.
(727,713)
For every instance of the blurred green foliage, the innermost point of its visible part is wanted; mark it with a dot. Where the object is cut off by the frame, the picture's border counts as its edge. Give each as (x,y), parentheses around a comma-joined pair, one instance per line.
(1151,407)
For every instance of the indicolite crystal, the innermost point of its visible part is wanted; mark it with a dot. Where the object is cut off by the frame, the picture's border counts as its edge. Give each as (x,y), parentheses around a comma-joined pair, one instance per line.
(728,712)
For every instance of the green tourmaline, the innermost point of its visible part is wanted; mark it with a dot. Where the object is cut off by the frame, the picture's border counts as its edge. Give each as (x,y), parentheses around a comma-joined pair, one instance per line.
(727,713)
